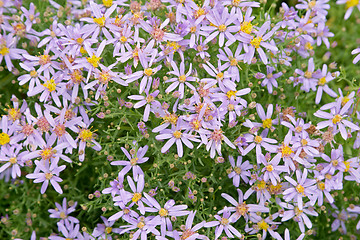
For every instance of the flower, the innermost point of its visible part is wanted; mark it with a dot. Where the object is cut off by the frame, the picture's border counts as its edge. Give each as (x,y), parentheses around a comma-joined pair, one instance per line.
(349,5)
(62,212)
(181,80)
(303,187)
(149,102)
(223,224)
(45,173)
(239,170)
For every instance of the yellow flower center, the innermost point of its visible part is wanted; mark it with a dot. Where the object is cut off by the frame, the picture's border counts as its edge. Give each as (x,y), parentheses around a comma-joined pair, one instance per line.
(246,27)
(261,185)
(4,51)
(13,160)
(321,186)
(222,28)
(231,93)
(298,129)
(242,209)
(80,40)
(177,134)
(351,3)
(48,176)
(192,29)
(14,113)
(174,45)
(123,39)
(286,151)
(62,215)
(300,189)
(4,138)
(308,46)
(148,72)
(256,42)
(267,123)
(85,135)
(258,139)
(308,74)
(182,78)
(50,85)
(233,62)
(220,75)
(304,142)
(47,153)
(199,13)
(100,21)
(171,118)
(104,77)
(224,221)
(312,4)
(263,225)
(344,100)
(297,211)
(108,230)
(347,166)
(163,212)
(337,118)
(33,73)
(269,168)
(322,81)
(328,176)
(94,60)
(107,3)
(133,161)
(141,224)
(335,162)
(237,170)
(136,197)
(44,59)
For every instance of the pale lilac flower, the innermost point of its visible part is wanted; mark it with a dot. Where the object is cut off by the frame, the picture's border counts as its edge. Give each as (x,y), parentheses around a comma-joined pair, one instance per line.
(99,22)
(258,42)
(176,136)
(13,160)
(341,218)
(190,232)
(350,5)
(220,19)
(232,61)
(141,227)
(134,160)
(181,80)
(336,162)
(270,78)
(240,170)
(336,118)
(157,32)
(9,51)
(241,208)
(215,141)
(300,216)
(104,230)
(300,188)
(264,224)
(223,224)
(322,84)
(272,169)
(221,78)
(45,173)
(125,212)
(62,212)
(149,102)
(69,230)
(320,7)
(164,213)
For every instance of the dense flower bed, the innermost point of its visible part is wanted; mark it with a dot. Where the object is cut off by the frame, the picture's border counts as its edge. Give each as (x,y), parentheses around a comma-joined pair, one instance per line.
(179,119)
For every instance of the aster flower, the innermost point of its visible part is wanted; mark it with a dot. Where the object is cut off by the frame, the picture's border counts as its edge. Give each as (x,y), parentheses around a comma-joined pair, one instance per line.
(13,160)
(45,173)
(149,102)
(309,78)
(134,159)
(189,232)
(215,141)
(267,122)
(176,136)
(100,21)
(272,169)
(336,162)
(62,212)
(322,84)
(169,210)
(349,5)
(258,42)
(7,131)
(300,188)
(258,141)
(141,227)
(232,61)
(221,78)
(223,224)
(220,19)
(8,50)
(32,77)
(322,34)
(85,136)
(69,231)
(47,62)
(241,208)
(300,216)
(260,187)
(30,16)
(264,224)
(157,32)
(240,170)
(104,230)
(336,118)
(181,80)
(269,79)
(340,218)
(125,212)
(319,6)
